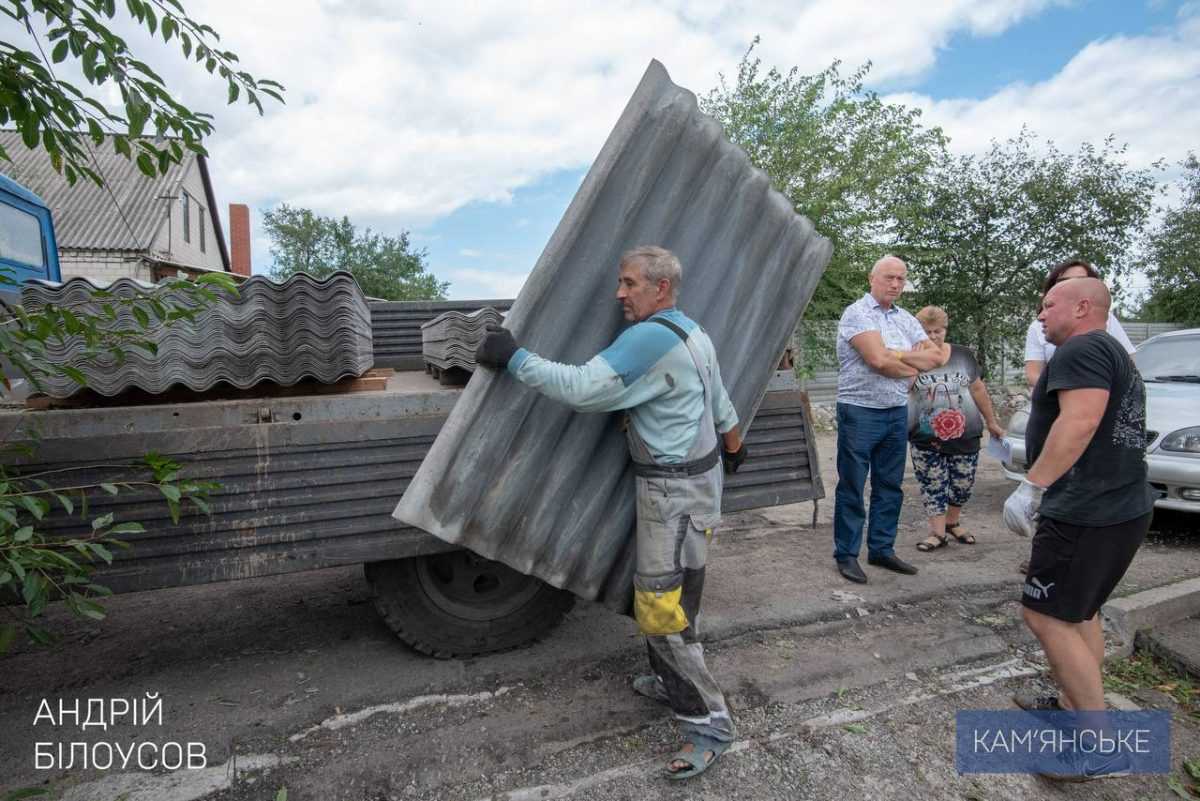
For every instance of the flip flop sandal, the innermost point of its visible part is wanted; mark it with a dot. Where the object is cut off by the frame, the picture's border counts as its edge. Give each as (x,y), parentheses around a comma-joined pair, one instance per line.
(651,687)
(697,764)
(932,543)
(965,538)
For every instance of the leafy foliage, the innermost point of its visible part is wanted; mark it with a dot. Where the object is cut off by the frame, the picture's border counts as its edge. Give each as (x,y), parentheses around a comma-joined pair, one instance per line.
(41,567)
(982,232)
(385,267)
(37,565)
(60,117)
(1173,256)
(817,346)
(844,158)
(1144,670)
(25,792)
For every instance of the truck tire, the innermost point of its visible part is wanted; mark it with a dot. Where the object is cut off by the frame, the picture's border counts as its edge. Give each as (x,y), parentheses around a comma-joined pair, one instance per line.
(460,604)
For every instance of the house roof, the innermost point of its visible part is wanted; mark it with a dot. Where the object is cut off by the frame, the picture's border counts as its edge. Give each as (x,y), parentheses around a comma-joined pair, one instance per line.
(89,217)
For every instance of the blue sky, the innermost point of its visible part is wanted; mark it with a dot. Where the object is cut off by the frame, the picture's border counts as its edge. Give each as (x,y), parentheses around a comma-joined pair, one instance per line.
(506,238)
(1038,47)
(470,123)
(503,239)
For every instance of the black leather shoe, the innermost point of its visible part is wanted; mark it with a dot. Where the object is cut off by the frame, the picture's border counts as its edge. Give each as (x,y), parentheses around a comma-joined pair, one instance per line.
(892,563)
(850,570)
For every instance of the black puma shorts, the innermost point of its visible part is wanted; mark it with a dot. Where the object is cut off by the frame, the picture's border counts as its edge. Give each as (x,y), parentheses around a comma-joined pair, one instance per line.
(1073,569)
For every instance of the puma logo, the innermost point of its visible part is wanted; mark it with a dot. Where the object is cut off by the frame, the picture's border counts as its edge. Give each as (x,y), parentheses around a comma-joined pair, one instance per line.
(1036,590)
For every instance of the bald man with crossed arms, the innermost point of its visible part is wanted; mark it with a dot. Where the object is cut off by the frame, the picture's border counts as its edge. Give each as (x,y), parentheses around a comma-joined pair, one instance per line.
(880,349)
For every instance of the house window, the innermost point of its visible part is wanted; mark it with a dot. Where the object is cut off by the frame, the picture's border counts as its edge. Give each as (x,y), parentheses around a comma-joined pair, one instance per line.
(201,223)
(187,218)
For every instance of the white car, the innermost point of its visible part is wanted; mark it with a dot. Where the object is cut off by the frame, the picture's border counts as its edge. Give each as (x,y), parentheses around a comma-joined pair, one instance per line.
(1170,366)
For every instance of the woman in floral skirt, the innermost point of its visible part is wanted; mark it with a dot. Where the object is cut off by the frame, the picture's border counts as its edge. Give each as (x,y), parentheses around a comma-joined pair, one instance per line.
(947,411)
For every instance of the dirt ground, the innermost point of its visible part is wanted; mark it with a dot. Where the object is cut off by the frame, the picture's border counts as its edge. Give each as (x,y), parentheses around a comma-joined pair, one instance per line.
(839,690)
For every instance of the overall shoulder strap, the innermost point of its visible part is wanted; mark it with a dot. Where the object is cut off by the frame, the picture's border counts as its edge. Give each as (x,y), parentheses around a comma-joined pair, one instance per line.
(706,437)
(679,332)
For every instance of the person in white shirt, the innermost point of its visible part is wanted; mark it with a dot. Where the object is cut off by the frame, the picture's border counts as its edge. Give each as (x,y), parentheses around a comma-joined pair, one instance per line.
(880,348)
(1037,350)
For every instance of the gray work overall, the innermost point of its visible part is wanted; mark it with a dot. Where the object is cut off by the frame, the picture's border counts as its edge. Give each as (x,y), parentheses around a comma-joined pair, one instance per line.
(678,509)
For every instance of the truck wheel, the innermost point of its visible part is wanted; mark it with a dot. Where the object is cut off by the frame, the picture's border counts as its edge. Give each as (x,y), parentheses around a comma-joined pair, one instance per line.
(459,604)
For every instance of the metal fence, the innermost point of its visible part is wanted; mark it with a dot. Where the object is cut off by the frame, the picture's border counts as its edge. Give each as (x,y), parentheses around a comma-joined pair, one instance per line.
(1140,332)
(821,381)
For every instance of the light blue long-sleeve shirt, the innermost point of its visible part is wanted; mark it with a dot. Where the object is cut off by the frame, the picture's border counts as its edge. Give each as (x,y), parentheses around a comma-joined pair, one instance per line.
(648,370)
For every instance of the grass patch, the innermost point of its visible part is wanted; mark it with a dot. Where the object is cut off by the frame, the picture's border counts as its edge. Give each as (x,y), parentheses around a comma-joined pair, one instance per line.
(1144,671)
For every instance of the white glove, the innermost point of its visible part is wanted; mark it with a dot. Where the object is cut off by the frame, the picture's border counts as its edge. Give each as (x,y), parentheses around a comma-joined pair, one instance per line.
(1021,508)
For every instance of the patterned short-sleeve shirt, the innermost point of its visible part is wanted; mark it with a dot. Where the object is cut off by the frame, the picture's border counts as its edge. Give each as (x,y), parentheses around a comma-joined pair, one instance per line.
(858,384)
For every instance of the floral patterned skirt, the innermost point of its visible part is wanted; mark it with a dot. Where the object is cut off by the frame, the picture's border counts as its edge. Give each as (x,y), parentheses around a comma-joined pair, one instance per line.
(945,479)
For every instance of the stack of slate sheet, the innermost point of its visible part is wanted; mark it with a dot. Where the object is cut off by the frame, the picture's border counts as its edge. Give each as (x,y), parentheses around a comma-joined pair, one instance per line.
(303,328)
(396,327)
(522,479)
(449,340)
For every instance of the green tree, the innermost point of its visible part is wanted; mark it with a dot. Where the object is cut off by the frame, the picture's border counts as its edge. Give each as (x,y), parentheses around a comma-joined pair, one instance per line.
(984,231)
(60,117)
(386,267)
(844,158)
(1173,256)
(300,242)
(36,566)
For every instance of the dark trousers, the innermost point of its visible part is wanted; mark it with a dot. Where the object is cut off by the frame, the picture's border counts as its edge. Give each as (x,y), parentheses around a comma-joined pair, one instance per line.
(873,441)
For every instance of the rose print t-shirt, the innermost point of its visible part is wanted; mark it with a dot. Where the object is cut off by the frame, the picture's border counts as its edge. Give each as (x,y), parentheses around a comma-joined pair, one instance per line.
(942,415)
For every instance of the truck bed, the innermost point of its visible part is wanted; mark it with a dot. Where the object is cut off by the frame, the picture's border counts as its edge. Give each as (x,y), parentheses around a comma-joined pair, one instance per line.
(310,481)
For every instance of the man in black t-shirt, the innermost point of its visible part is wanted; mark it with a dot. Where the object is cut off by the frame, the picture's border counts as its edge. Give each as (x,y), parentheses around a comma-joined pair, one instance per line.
(1087,492)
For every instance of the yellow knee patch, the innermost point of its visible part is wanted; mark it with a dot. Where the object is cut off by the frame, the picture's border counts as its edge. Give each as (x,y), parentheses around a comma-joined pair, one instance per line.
(658,611)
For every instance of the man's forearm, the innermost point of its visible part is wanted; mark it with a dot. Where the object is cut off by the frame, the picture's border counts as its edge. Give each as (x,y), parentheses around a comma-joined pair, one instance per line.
(732,440)
(1066,442)
(894,368)
(922,360)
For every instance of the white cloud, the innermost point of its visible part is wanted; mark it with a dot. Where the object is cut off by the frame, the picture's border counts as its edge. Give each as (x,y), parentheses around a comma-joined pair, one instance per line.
(901,39)
(399,113)
(473,283)
(470,253)
(1144,90)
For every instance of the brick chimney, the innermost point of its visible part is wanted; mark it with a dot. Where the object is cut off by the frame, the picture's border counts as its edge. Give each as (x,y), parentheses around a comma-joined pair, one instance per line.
(239,238)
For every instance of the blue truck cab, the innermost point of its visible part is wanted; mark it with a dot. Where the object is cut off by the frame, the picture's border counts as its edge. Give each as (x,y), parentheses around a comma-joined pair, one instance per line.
(28,248)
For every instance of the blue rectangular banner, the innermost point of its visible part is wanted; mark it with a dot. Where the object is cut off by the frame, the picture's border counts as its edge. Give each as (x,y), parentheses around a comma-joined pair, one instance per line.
(1063,743)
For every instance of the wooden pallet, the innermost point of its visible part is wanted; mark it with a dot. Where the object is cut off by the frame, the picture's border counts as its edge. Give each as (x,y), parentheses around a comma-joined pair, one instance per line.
(374,380)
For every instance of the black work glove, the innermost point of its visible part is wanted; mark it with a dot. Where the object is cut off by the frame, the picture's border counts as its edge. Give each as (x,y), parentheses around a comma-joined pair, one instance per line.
(497,347)
(733,459)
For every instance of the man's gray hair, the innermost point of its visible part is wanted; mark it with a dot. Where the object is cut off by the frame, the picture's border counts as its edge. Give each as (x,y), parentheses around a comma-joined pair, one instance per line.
(657,264)
(888,259)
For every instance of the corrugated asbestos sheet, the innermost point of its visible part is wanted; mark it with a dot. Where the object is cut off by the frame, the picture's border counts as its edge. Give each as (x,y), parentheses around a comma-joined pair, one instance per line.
(449,341)
(315,486)
(521,479)
(302,327)
(84,214)
(396,327)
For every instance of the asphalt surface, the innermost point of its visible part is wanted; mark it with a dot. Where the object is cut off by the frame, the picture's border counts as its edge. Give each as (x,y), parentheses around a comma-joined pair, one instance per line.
(840,690)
